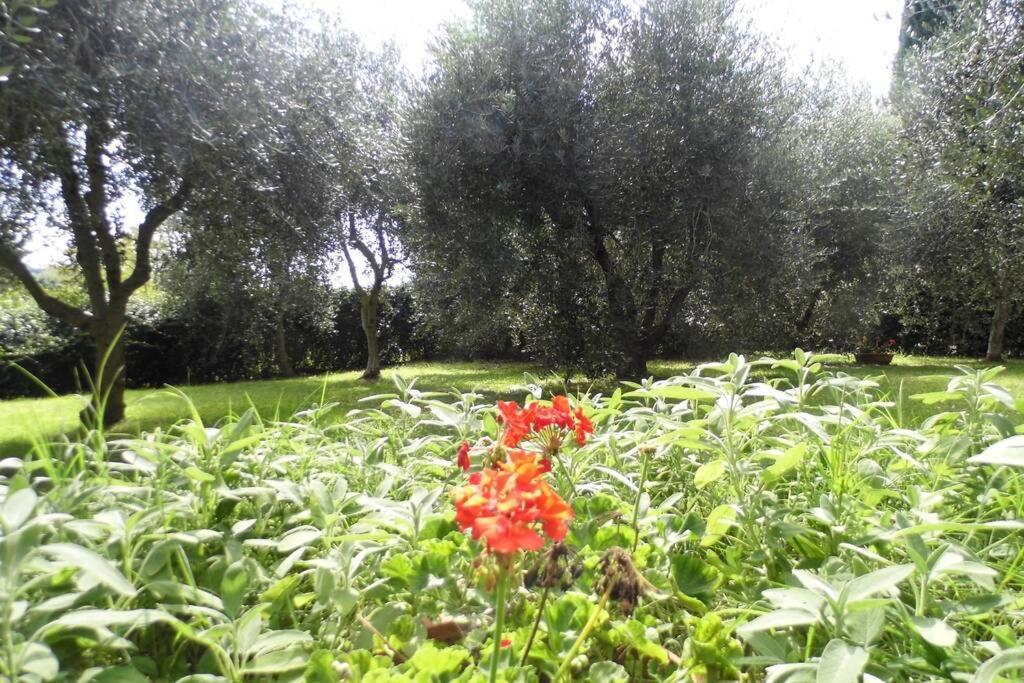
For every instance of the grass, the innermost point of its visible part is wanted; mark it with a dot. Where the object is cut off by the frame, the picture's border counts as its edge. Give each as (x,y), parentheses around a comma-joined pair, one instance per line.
(24,420)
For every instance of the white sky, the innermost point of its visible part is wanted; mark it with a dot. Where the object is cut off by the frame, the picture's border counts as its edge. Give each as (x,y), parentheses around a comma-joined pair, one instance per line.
(861,35)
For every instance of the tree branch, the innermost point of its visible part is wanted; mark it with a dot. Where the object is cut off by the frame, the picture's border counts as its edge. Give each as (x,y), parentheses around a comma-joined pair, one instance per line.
(385,259)
(675,303)
(96,198)
(86,253)
(50,304)
(348,257)
(367,253)
(154,219)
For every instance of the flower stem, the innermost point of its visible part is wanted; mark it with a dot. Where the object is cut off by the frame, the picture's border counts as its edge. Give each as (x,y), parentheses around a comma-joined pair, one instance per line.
(639,495)
(499,615)
(536,625)
(584,634)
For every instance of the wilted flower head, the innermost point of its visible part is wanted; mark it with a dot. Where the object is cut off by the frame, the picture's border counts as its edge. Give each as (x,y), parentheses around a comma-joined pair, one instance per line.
(555,568)
(619,575)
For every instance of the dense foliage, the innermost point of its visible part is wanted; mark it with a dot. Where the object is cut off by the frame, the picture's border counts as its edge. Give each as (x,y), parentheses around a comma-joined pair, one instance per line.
(961,168)
(585,183)
(544,142)
(208,340)
(78,138)
(766,517)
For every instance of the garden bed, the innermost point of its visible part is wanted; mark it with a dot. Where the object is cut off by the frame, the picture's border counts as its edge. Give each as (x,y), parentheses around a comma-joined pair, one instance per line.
(719,525)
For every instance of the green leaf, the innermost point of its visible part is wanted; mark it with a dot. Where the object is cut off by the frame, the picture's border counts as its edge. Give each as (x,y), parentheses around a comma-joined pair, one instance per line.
(786,462)
(119,674)
(17,508)
(708,473)
(233,588)
(935,631)
(1009,660)
(780,618)
(297,537)
(272,641)
(933,397)
(608,672)
(1008,452)
(196,474)
(36,659)
(693,576)
(439,663)
(90,564)
(320,668)
(674,392)
(277,662)
(841,663)
(719,522)
(878,581)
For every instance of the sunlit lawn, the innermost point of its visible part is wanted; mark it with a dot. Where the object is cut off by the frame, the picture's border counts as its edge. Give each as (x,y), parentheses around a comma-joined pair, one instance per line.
(23,420)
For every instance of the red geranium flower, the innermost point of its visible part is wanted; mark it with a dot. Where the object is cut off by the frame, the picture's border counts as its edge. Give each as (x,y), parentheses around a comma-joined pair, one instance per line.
(583,427)
(517,423)
(504,507)
(463,457)
(535,417)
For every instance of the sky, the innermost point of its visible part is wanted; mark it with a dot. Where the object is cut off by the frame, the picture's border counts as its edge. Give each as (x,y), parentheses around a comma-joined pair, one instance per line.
(859,35)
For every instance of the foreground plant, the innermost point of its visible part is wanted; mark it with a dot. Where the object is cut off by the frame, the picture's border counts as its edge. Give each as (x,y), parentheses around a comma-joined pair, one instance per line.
(782,522)
(507,505)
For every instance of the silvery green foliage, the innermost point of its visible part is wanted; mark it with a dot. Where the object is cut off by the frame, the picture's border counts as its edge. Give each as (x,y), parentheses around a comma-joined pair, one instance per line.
(788,521)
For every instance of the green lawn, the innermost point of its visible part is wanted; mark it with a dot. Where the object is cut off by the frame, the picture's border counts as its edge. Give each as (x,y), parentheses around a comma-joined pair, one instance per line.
(23,420)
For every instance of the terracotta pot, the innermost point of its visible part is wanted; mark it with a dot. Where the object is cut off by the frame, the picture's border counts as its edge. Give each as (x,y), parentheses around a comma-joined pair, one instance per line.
(873,358)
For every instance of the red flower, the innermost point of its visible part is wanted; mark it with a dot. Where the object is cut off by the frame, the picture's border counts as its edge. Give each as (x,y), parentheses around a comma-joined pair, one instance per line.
(463,457)
(505,642)
(517,423)
(534,418)
(505,506)
(583,427)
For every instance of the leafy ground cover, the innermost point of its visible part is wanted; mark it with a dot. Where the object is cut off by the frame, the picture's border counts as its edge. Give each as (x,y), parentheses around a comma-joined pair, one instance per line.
(23,421)
(766,520)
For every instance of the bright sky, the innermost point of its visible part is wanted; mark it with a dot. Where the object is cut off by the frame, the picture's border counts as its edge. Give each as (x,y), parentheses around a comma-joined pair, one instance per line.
(861,35)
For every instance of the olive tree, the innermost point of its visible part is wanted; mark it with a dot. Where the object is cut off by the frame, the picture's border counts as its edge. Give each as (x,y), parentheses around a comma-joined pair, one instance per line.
(321,191)
(620,142)
(107,102)
(961,99)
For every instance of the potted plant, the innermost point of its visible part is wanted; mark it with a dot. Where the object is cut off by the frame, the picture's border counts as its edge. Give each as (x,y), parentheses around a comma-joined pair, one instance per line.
(877,351)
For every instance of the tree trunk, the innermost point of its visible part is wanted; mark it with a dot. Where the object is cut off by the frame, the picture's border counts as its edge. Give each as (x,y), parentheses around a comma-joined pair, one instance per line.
(108,373)
(368,316)
(997,330)
(634,365)
(804,323)
(284,361)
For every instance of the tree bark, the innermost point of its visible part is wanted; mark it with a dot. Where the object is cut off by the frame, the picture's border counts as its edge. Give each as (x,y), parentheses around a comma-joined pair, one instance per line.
(368,305)
(107,405)
(997,330)
(807,317)
(284,361)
